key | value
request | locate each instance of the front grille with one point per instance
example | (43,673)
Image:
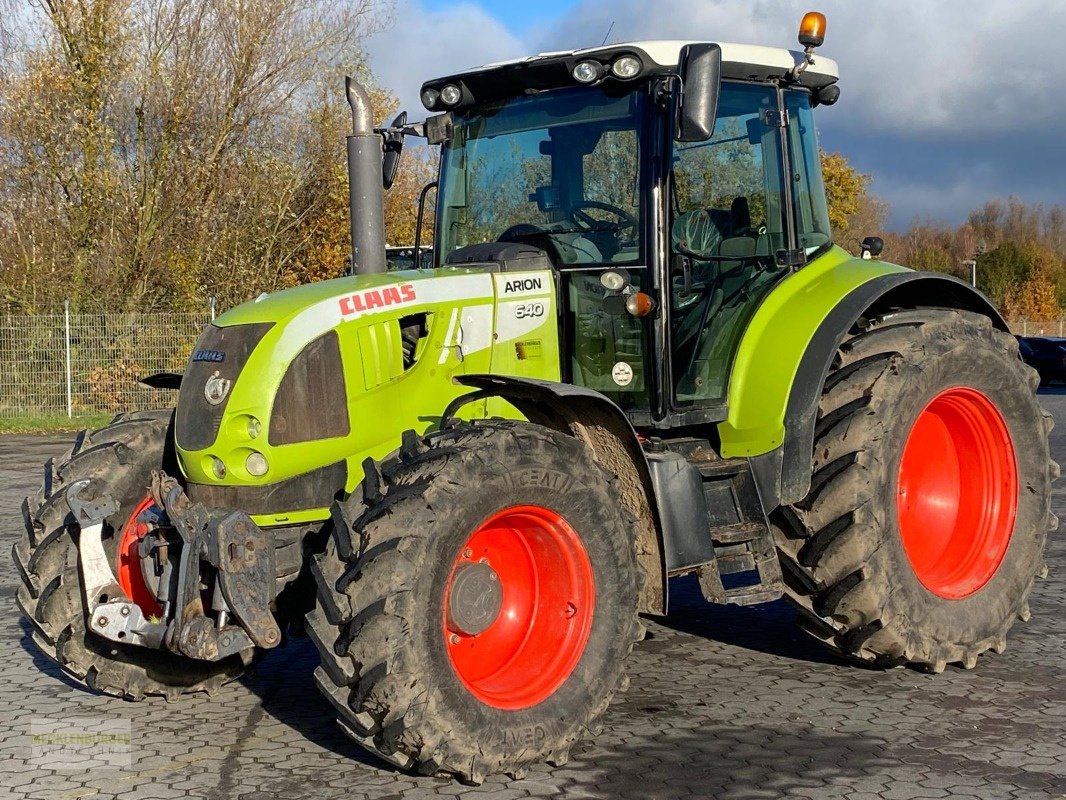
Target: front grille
(221,350)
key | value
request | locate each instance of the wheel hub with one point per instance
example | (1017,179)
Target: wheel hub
(136,575)
(475,599)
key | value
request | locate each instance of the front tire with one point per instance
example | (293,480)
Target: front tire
(925,524)
(427,663)
(119,459)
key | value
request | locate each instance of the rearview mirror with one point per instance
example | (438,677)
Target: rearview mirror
(700,67)
(390,162)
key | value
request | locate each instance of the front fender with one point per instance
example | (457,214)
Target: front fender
(603,427)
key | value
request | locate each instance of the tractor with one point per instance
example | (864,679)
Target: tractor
(636,354)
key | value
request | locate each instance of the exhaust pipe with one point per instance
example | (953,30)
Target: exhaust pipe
(366,211)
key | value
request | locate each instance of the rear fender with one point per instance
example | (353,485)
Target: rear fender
(782,461)
(600,424)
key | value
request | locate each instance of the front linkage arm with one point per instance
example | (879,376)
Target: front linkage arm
(111,614)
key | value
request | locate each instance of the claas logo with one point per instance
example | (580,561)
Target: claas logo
(377,298)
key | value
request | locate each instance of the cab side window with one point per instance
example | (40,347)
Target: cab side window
(727,222)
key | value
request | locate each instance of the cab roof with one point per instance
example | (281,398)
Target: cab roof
(659,56)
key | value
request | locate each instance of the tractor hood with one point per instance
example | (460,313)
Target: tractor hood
(282,305)
(300,380)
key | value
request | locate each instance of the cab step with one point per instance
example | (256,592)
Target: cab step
(714,522)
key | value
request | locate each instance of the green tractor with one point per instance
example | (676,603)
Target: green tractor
(638,355)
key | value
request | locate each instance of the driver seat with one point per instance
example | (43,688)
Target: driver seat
(701,230)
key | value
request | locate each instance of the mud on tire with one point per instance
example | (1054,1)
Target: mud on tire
(120,457)
(843,557)
(382,579)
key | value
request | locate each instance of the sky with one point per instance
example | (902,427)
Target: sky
(946,104)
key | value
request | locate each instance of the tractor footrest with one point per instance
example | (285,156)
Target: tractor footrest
(752,595)
(721,468)
(738,534)
(766,583)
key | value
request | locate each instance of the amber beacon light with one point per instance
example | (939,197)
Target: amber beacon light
(812,29)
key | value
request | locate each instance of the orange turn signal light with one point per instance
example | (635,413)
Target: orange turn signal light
(812,29)
(640,304)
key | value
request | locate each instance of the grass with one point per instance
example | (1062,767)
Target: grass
(52,423)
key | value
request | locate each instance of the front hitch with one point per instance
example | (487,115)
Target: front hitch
(221,549)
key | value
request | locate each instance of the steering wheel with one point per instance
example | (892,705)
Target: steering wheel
(588,222)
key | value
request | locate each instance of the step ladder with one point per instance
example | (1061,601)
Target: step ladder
(737,527)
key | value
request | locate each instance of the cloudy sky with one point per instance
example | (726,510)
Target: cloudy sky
(946,104)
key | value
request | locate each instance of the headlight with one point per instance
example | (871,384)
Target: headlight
(587,71)
(451,94)
(613,281)
(626,67)
(256,464)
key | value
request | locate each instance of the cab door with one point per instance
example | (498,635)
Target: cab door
(728,221)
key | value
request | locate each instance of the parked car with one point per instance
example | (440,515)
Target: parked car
(1045,354)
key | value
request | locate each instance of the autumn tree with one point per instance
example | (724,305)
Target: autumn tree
(156,152)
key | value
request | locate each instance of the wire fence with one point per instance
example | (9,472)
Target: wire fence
(75,364)
(1023,326)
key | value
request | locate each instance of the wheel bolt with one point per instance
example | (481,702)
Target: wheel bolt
(125,611)
(454,638)
(101,621)
(468,553)
(570,611)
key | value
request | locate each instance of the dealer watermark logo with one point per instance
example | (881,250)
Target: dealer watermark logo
(216,388)
(81,743)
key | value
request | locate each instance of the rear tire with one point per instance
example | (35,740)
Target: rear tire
(119,458)
(386,580)
(870,576)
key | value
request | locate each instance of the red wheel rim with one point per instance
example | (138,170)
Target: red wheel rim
(545,602)
(957,493)
(130,577)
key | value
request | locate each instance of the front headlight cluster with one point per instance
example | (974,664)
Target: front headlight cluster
(625,67)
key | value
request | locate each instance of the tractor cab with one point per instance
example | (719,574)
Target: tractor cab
(682,175)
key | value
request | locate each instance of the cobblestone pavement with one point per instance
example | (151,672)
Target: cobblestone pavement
(727,703)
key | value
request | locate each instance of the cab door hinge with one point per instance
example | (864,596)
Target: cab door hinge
(773,118)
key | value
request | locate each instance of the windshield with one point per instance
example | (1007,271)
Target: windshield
(559,170)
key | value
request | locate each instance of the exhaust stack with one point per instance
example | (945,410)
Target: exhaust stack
(365,192)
